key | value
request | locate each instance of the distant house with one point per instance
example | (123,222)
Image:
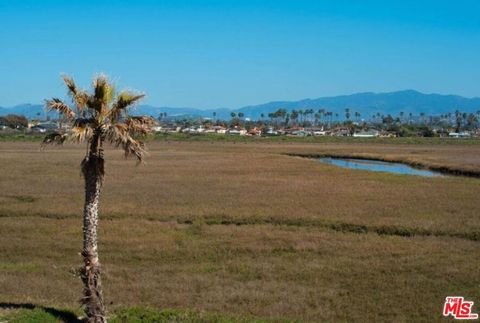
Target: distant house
(463,134)
(388,134)
(219,129)
(367,133)
(237,131)
(271,132)
(299,133)
(340,132)
(44,127)
(318,131)
(321,133)
(255,132)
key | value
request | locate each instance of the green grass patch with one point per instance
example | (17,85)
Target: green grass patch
(22,137)
(18,267)
(314,139)
(146,315)
(28,313)
(31,316)
(339,226)
(211,137)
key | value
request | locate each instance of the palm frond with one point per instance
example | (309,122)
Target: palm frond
(59,106)
(104,91)
(124,100)
(79,97)
(82,129)
(72,88)
(100,84)
(54,138)
(139,125)
(103,95)
(134,147)
(144,120)
(119,134)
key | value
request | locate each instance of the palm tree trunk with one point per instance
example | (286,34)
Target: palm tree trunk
(92,167)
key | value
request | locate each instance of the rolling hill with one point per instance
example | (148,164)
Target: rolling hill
(368,103)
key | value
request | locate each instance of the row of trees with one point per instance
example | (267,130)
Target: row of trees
(458,120)
(322,117)
(282,118)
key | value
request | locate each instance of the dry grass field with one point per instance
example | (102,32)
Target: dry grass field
(245,230)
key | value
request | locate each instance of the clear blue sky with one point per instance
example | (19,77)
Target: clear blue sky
(233,53)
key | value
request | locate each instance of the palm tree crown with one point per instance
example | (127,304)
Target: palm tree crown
(101,116)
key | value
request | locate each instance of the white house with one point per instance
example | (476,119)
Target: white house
(367,134)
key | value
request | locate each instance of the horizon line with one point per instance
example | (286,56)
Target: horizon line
(278,101)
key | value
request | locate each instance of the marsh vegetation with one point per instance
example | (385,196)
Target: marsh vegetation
(245,230)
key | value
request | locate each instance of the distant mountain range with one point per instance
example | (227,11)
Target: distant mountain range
(368,103)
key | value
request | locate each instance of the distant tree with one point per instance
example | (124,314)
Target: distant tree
(233,114)
(471,122)
(422,117)
(458,120)
(388,120)
(347,113)
(309,113)
(96,118)
(287,119)
(283,115)
(302,116)
(357,116)
(294,116)
(14,121)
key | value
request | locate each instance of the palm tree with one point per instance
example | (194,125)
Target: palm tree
(347,113)
(422,116)
(294,116)
(96,118)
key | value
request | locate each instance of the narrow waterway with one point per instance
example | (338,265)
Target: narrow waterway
(378,166)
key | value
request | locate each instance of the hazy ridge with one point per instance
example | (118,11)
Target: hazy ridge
(367,103)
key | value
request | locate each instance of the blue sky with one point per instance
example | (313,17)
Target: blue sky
(211,54)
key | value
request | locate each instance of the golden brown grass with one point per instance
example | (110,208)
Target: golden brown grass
(166,237)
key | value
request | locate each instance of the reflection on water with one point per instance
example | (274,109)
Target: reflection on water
(377,166)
